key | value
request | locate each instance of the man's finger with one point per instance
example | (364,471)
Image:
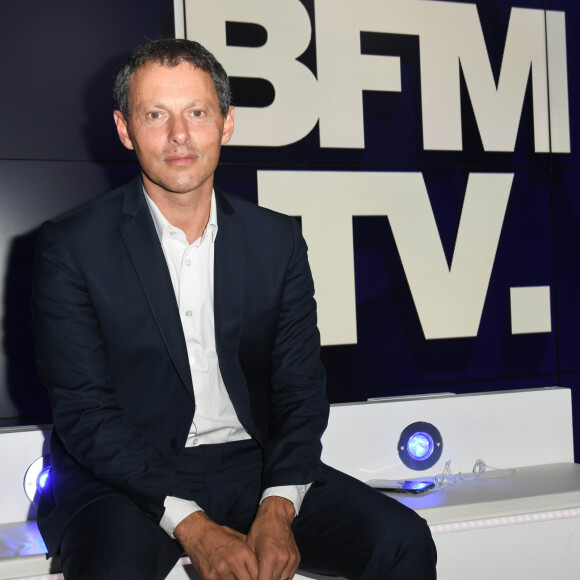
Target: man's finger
(252,568)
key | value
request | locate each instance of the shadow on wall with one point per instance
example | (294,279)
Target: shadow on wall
(57,188)
(25,389)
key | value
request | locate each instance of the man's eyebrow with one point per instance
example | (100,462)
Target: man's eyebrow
(196,103)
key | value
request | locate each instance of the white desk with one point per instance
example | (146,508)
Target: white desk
(523,525)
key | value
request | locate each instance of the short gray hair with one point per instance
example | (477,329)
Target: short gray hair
(172,52)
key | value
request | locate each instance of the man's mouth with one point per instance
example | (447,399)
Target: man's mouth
(181,159)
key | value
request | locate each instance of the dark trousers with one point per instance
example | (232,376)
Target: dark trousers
(344,527)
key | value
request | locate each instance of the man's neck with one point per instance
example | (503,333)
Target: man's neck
(187,211)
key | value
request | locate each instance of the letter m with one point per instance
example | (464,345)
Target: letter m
(535,46)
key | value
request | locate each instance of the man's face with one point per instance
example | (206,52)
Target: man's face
(175,127)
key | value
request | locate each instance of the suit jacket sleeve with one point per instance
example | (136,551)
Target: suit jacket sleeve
(299,409)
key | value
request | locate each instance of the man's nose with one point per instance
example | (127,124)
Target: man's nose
(178,131)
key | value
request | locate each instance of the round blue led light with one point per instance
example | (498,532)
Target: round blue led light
(43,478)
(420,446)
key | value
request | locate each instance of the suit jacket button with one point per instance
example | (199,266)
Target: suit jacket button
(174,444)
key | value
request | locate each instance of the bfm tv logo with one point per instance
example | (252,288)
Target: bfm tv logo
(449,300)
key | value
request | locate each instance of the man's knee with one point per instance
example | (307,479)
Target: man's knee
(404,549)
(414,532)
(348,528)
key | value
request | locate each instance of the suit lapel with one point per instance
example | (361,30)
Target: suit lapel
(228,305)
(140,237)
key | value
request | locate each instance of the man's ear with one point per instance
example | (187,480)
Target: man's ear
(122,129)
(228,126)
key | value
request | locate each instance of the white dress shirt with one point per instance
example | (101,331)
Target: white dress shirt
(191,267)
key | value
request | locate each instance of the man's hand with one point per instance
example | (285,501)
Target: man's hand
(217,552)
(272,539)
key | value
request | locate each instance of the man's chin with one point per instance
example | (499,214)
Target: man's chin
(177,186)
(182,188)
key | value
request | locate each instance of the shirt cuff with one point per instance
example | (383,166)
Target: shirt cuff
(294,493)
(176,510)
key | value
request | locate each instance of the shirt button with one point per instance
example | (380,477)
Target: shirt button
(188,262)
(195,442)
(188,313)
(173,233)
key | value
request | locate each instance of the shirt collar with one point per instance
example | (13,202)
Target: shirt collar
(161,222)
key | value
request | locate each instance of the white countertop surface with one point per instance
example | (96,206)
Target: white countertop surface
(502,493)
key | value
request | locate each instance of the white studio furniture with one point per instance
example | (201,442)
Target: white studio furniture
(519,518)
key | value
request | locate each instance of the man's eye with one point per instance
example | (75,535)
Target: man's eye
(154,115)
(197,114)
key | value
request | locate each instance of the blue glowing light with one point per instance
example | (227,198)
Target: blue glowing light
(43,478)
(420,446)
(417,485)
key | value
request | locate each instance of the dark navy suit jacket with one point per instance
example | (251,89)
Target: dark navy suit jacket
(111,351)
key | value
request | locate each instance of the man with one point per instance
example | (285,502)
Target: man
(176,333)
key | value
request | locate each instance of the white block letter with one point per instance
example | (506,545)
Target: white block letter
(343,72)
(294,111)
(558,82)
(449,300)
